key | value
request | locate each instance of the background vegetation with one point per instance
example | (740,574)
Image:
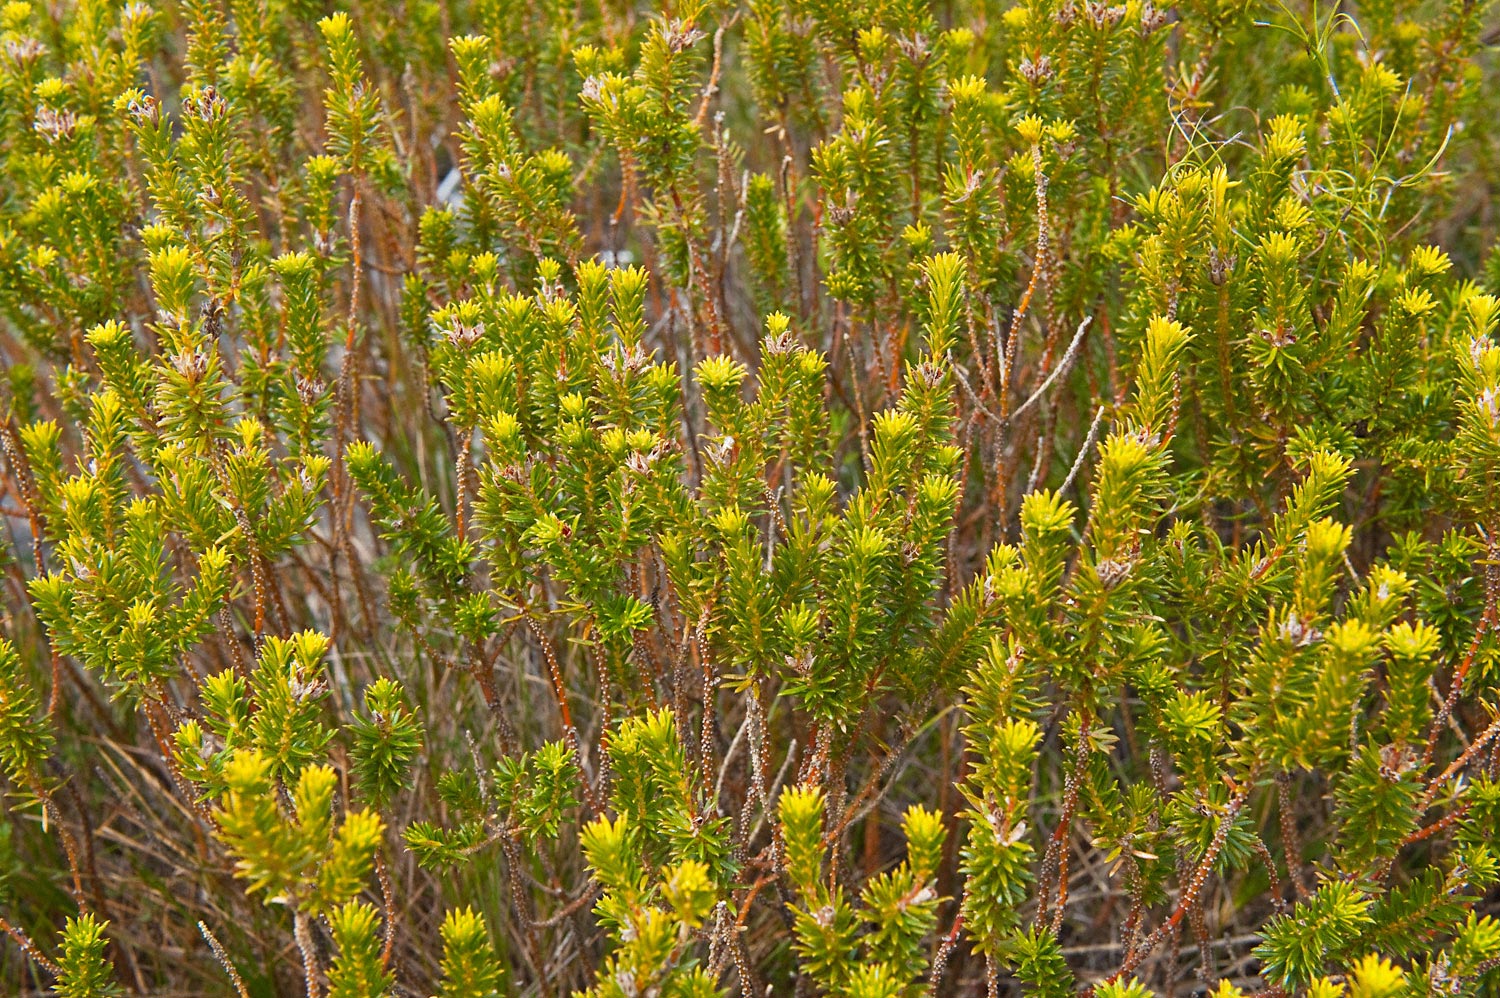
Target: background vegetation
(856,497)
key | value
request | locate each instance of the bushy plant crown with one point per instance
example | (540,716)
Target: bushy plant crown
(864,498)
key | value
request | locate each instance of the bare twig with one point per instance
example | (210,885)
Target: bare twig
(222,955)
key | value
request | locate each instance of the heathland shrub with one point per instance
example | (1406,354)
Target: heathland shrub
(866,498)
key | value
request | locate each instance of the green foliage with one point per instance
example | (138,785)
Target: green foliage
(385,744)
(470,967)
(357,970)
(301,858)
(865,498)
(900,907)
(24,742)
(82,970)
